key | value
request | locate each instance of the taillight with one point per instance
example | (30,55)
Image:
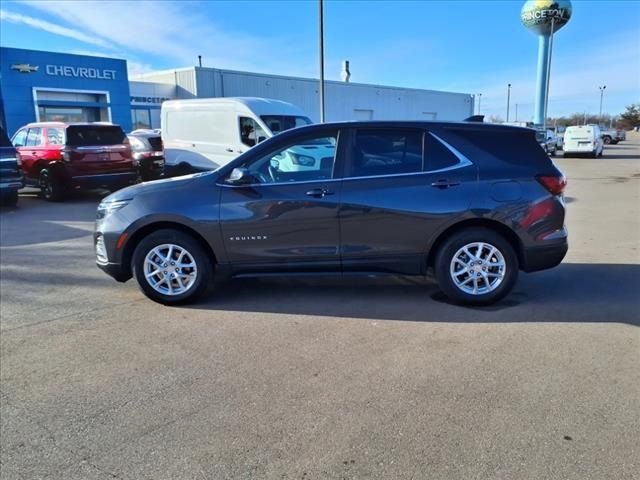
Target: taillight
(18,160)
(555,185)
(66,155)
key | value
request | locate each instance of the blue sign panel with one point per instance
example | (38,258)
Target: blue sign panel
(35,83)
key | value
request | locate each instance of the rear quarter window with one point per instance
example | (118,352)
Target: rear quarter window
(512,146)
(90,135)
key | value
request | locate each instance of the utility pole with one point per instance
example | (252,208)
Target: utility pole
(508,99)
(479,102)
(321,19)
(601,95)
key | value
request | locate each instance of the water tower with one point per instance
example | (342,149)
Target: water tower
(544,18)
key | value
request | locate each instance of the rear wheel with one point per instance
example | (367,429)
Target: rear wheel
(606,140)
(476,266)
(51,187)
(171,267)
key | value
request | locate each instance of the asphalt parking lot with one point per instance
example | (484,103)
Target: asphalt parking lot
(330,378)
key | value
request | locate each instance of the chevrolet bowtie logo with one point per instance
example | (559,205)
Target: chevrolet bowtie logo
(24,68)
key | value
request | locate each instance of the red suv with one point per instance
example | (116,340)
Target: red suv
(58,157)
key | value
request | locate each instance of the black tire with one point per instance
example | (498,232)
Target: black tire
(453,244)
(606,139)
(51,188)
(9,199)
(203,263)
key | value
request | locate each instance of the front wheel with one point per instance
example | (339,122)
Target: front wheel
(476,266)
(171,267)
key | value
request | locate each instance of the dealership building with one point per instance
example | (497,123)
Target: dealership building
(47,86)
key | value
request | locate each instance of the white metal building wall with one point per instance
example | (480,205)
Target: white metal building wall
(343,101)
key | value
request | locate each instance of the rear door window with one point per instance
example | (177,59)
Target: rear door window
(34,137)
(92,135)
(394,151)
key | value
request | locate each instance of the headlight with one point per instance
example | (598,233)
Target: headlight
(107,208)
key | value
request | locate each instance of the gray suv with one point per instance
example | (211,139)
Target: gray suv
(473,203)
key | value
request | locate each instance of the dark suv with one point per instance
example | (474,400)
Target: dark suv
(11,179)
(59,157)
(473,202)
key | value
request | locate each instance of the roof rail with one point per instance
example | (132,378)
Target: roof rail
(475,118)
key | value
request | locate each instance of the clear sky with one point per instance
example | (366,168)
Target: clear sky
(464,46)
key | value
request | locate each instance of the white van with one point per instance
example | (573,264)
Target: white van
(204,134)
(583,139)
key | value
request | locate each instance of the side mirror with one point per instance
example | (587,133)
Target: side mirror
(240,176)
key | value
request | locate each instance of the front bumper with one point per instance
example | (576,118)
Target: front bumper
(114,270)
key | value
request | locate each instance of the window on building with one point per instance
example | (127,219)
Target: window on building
(34,137)
(140,118)
(386,152)
(250,132)
(72,114)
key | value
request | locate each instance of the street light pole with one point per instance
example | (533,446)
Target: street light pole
(479,102)
(601,95)
(508,99)
(321,90)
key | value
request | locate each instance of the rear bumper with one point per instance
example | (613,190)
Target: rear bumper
(104,180)
(545,256)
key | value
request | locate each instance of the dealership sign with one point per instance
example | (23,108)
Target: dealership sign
(80,72)
(148,100)
(542,16)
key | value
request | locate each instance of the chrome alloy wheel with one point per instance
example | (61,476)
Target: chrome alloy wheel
(170,269)
(478,268)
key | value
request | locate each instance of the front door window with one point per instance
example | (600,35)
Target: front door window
(309,159)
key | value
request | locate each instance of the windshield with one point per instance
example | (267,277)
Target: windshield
(540,136)
(280,123)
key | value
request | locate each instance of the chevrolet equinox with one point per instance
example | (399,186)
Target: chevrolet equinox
(474,203)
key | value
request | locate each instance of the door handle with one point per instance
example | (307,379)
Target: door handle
(443,183)
(34,153)
(229,149)
(319,192)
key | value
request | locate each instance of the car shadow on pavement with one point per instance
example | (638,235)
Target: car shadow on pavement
(572,292)
(35,220)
